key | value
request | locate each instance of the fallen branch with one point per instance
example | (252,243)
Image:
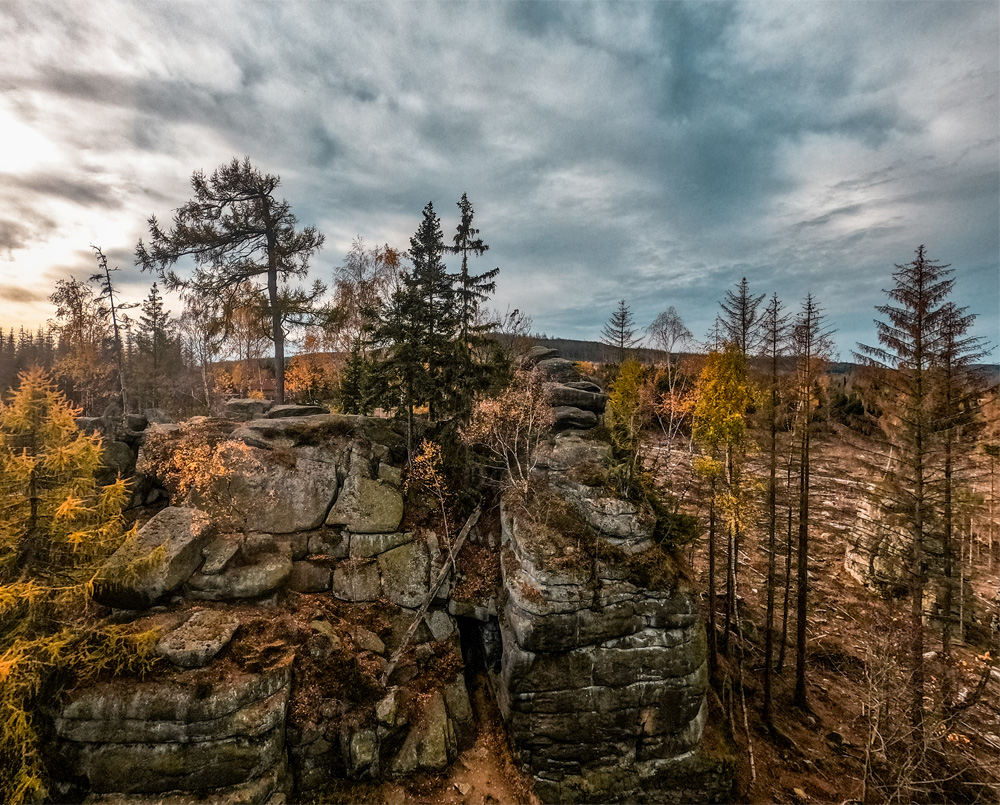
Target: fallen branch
(453,550)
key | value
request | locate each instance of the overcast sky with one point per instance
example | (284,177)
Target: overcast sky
(654,152)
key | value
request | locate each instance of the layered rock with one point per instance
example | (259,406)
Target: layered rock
(603,669)
(221,739)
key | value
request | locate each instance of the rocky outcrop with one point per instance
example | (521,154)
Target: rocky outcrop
(219,739)
(603,668)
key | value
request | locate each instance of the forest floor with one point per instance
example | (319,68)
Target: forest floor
(819,755)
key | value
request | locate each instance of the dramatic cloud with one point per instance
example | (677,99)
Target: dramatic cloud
(655,152)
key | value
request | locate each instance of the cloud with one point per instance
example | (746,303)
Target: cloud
(658,155)
(19,294)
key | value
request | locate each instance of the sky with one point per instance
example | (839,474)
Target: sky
(651,152)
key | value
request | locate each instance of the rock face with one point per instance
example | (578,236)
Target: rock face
(159,559)
(217,738)
(603,669)
(603,676)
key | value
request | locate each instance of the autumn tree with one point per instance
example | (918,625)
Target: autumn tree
(362,284)
(509,426)
(723,394)
(619,332)
(56,526)
(237,231)
(667,333)
(83,359)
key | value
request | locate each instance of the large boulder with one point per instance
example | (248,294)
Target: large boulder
(265,574)
(284,411)
(277,493)
(367,506)
(603,673)
(161,556)
(406,574)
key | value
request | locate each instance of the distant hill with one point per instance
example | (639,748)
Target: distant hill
(596,352)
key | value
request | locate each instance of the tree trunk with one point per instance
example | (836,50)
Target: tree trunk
(713,655)
(277,332)
(772,523)
(802,581)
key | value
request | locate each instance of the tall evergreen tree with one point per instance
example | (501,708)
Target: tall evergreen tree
(474,354)
(619,332)
(909,339)
(153,341)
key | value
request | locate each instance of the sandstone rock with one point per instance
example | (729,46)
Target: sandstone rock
(264,576)
(367,506)
(562,395)
(558,370)
(262,789)
(456,699)
(365,546)
(157,416)
(154,563)
(283,411)
(135,422)
(117,459)
(356,581)
(275,496)
(307,577)
(430,743)
(539,353)
(570,450)
(360,748)
(196,641)
(218,553)
(440,623)
(243,409)
(568,417)
(330,543)
(389,711)
(585,385)
(196,707)
(406,574)
(391,475)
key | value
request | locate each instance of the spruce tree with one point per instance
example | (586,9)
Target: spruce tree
(909,350)
(740,324)
(619,332)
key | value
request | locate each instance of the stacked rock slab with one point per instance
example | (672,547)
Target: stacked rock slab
(221,740)
(603,676)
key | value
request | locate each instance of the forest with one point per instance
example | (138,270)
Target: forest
(839,521)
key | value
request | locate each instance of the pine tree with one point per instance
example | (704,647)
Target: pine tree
(904,363)
(153,340)
(740,324)
(237,231)
(474,362)
(619,332)
(472,289)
